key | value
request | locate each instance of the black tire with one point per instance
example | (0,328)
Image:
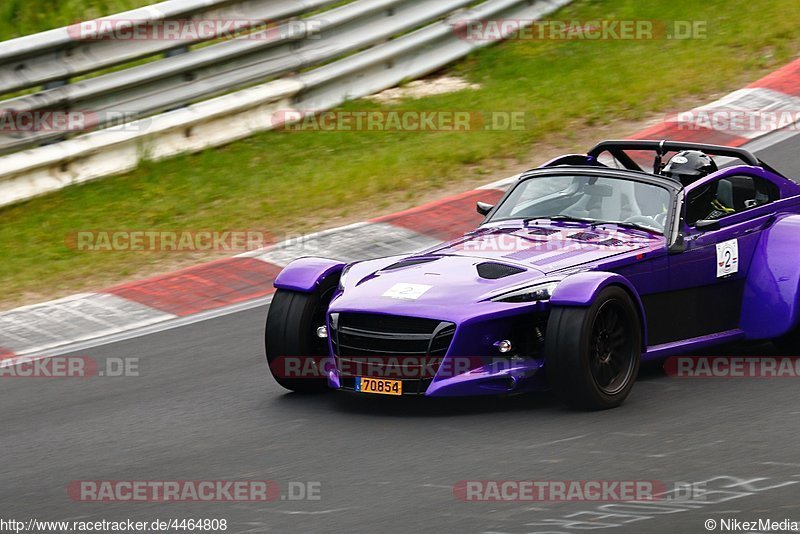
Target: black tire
(789,344)
(592,354)
(292,321)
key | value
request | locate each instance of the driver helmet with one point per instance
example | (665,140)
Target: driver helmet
(688,166)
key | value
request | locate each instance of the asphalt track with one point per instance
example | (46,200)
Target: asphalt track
(204,407)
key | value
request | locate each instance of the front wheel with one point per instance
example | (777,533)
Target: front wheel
(592,354)
(295,353)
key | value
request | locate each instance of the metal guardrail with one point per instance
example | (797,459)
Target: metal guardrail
(233,116)
(57,54)
(411,56)
(216,69)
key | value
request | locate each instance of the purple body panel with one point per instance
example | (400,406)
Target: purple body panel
(581,289)
(770,296)
(492,380)
(582,259)
(305,274)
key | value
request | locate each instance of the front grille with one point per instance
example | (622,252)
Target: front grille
(389,346)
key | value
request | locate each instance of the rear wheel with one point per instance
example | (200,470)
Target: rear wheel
(295,353)
(592,354)
(789,344)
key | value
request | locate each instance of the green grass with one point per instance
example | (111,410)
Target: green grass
(296,181)
(23,17)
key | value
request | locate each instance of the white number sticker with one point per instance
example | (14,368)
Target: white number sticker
(406,291)
(727,258)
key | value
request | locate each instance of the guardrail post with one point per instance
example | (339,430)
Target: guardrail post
(55,83)
(172,53)
(176,51)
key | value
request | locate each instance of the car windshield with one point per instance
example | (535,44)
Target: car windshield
(598,199)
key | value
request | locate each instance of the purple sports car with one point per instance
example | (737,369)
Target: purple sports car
(587,266)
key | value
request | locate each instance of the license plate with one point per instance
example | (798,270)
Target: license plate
(381,386)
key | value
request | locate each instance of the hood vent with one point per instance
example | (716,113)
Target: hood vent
(542,231)
(408,263)
(584,236)
(611,242)
(494,271)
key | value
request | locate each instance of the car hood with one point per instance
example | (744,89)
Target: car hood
(549,248)
(482,264)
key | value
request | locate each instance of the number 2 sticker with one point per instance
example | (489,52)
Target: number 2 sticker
(406,291)
(727,258)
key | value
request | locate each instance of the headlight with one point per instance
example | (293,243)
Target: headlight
(532,293)
(343,276)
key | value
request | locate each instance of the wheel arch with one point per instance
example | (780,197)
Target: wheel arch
(582,289)
(306,274)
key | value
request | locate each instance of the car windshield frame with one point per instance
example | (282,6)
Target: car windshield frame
(671,229)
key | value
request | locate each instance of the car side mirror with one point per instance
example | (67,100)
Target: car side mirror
(707,225)
(679,245)
(484,208)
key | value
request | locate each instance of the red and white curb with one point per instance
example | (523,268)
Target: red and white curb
(775,93)
(244,281)
(225,285)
